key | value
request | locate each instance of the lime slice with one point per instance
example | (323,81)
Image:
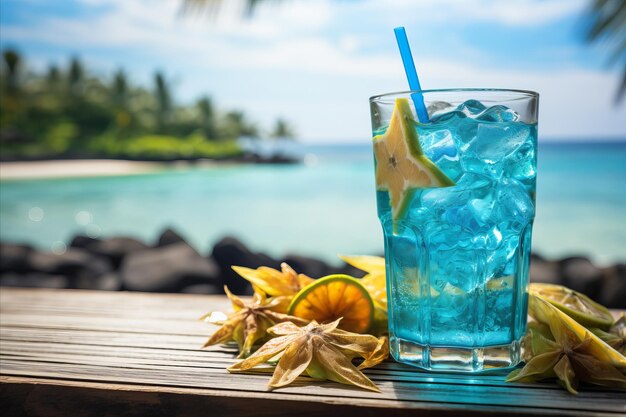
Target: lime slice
(576,305)
(332,297)
(401,166)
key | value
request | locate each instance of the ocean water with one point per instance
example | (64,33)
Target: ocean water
(323,207)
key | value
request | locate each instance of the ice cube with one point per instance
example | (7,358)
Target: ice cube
(443,236)
(451,166)
(437,143)
(493,142)
(502,260)
(493,238)
(477,182)
(471,107)
(447,117)
(437,199)
(464,217)
(450,306)
(482,208)
(486,152)
(515,204)
(498,113)
(438,108)
(521,163)
(458,268)
(440,148)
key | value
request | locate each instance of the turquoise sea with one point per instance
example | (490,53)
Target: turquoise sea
(322,207)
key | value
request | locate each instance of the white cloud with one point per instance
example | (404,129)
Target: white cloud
(294,44)
(512,13)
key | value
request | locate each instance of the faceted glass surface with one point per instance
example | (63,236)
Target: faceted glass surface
(457,262)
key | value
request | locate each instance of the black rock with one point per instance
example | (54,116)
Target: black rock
(14,258)
(167,269)
(312,267)
(168,237)
(82,242)
(110,281)
(613,292)
(202,289)
(33,280)
(578,273)
(542,270)
(349,270)
(230,251)
(81,268)
(114,249)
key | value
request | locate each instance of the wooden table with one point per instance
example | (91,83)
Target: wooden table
(82,353)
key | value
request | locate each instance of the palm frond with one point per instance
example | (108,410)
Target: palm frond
(214,7)
(607,26)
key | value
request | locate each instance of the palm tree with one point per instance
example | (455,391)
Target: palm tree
(207,117)
(75,75)
(163,101)
(119,89)
(608,26)
(237,125)
(12,62)
(282,130)
(53,77)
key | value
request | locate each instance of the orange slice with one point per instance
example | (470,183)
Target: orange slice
(335,296)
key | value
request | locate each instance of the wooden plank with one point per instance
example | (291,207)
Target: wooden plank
(132,348)
(50,397)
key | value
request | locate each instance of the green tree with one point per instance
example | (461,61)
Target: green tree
(119,89)
(163,102)
(282,130)
(53,77)
(12,62)
(75,76)
(237,125)
(608,27)
(207,117)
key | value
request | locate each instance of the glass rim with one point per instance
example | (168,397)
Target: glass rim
(520,93)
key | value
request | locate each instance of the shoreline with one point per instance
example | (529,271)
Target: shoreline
(89,168)
(79,168)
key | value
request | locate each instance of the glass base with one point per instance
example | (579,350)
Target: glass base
(456,359)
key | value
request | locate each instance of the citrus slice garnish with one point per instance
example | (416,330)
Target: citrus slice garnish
(335,296)
(576,305)
(401,166)
(501,283)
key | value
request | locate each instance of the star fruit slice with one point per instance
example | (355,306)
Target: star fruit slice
(542,310)
(401,166)
(576,305)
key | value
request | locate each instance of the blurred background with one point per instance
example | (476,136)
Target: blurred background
(148,145)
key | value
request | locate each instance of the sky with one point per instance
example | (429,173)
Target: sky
(316,63)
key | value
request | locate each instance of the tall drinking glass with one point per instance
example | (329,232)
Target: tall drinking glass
(457,249)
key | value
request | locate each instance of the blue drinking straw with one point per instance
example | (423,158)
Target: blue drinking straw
(411,73)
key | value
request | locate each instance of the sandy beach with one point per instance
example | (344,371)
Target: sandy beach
(75,168)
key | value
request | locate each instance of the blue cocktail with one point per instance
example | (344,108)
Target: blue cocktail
(457,207)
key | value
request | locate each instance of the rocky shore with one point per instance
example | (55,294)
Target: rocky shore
(172,265)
